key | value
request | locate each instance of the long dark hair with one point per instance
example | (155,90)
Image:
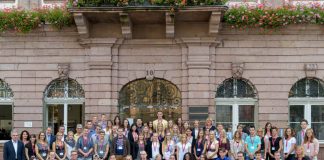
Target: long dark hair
(21,135)
(190,155)
(120,121)
(265,128)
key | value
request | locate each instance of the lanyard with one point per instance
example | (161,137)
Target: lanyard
(101,146)
(183,148)
(252,141)
(85,141)
(273,141)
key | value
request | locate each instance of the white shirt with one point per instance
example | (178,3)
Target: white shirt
(196,132)
(15,145)
(155,149)
(288,144)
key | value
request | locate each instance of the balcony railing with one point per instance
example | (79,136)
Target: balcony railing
(146,3)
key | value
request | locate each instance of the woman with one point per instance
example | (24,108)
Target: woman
(188,156)
(158,157)
(59,147)
(184,127)
(224,142)
(140,145)
(70,144)
(240,130)
(168,146)
(126,127)
(275,143)
(170,126)
(300,154)
(150,125)
(209,125)
(117,121)
(109,127)
(207,135)
(160,132)
(179,122)
(267,135)
(237,145)
(42,147)
(200,146)
(24,137)
(289,144)
(183,147)
(51,156)
(212,146)
(133,138)
(260,134)
(30,151)
(311,145)
(175,134)
(146,133)
(101,148)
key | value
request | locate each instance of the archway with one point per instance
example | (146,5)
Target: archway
(6,108)
(143,98)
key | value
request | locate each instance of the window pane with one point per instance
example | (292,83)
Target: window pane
(223,114)
(246,113)
(318,120)
(296,114)
(5,121)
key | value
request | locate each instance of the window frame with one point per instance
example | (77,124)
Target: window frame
(8,4)
(307,102)
(8,101)
(235,103)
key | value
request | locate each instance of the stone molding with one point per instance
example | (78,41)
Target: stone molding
(126,25)
(310,69)
(63,70)
(215,23)
(237,69)
(82,24)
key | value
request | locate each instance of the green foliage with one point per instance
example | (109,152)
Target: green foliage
(24,21)
(273,18)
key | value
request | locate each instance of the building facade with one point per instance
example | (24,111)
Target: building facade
(191,66)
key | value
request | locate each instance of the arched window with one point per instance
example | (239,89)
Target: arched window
(306,101)
(64,101)
(6,106)
(143,98)
(235,103)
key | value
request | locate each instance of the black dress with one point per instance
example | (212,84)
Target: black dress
(30,150)
(274,145)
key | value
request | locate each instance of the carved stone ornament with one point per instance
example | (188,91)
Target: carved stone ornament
(237,70)
(310,69)
(63,70)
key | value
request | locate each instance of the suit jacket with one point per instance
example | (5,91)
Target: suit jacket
(9,151)
(148,149)
(164,122)
(52,140)
(299,137)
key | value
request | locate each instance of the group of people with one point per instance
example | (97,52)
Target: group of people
(161,139)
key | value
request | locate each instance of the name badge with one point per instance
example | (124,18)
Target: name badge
(61,154)
(101,152)
(252,147)
(85,148)
(198,149)
(308,151)
(44,155)
(120,147)
(273,148)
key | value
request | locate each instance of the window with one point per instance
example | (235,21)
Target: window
(64,101)
(306,101)
(6,101)
(235,103)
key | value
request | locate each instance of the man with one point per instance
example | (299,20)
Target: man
(120,146)
(258,155)
(78,132)
(62,131)
(252,143)
(222,154)
(74,155)
(240,155)
(50,137)
(277,155)
(301,134)
(94,122)
(103,122)
(143,155)
(90,128)
(160,120)
(14,149)
(195,130)
(139,125)
(220,129)
(85,146)
(95,137)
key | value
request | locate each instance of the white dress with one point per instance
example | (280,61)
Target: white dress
(183,149)
(169,150)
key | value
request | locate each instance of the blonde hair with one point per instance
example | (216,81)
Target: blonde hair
(224,138)
(306,137)
(302,151)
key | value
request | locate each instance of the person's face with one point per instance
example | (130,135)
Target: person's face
(94,119)
(42,136)
(239,129)
(143,155)
(62,129)
(25,135)
(109,124)
(277,156)
(33,139)
(168,135)
(139,122)
(160,115)
(85,132)
(303,125)
(120,133)
(240,156)
(79,130)
(260,133)
(52,155)
(184,138)
(252,131)
(117,120)
(102,135)
(175,129)
(220,128)
(209,122)
(187,157)
(288,132)
(211,135)
(14,136)
(155,137)
(309,133)
(89,125)
(133,128)
(145,129)
(59,136)
(299,151)
(274,132)
(196,124)
(158,158)
(188,132)
(237,135)
(114,129)
(150,124)
(170,124)
(179,121)
(128,158)
(125,123)
(269,126)
(258,156)
(186,125)
(201,133)
(103,117)
(70,135)
(141,137)
(172,157)
(74,156)
(222,154)
(49,130)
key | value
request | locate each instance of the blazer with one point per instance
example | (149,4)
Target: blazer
(299,138)
(53,139)
(148,149)
(9,151)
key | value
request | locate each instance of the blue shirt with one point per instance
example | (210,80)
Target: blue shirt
(252,143)
(84,145)
(225,158)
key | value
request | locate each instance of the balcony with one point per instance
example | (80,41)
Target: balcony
(147,19)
